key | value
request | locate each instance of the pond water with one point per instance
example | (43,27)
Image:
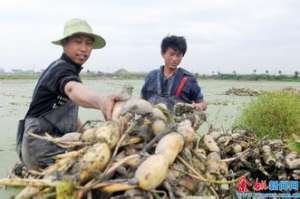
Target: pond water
(15,96)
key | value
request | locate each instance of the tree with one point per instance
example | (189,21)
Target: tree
(254,71)
(296,74)
(279,72)
(267,72)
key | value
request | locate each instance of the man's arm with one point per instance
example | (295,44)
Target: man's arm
(84,97)
(144,94)
(197,96)
(150,79)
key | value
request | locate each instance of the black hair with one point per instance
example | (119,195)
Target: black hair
(177,43)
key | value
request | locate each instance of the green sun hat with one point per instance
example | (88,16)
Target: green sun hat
(80,26)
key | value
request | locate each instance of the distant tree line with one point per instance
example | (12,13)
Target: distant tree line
(253,76)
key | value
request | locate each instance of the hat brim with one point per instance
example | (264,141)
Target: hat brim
(99,42)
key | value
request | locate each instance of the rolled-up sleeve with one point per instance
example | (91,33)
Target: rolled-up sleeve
(61,76)
(64,80)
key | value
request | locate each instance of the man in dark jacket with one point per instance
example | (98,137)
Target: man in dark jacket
(57,95)
(170,84)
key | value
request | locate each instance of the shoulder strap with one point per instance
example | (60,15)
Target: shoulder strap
(180,86)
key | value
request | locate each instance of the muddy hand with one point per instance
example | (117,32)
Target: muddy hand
(109,103)
(200,106)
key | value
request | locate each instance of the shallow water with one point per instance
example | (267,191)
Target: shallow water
(15,96)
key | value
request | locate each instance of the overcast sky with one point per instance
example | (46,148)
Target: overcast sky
(222,35)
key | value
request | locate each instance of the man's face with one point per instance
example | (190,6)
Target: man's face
(78,48)
(172,58)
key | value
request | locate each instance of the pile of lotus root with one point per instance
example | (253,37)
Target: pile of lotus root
(148,152)
(243,92)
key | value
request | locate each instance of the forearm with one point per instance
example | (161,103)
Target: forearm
(84,97)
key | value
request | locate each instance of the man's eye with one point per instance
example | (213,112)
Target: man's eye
(89,43)
(78,40)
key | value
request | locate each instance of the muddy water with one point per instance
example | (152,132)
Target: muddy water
(15,96)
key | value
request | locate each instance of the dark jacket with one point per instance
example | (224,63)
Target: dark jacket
(152,88)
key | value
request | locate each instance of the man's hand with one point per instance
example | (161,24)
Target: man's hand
(200,106)
(108,105)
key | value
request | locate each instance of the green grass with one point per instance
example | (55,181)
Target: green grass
(272,115)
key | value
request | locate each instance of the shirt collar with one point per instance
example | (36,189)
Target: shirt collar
(65,57)
(163,75)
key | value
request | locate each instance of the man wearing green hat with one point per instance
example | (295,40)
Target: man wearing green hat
(57,95)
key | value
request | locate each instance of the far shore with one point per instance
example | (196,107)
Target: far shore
(238,77)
